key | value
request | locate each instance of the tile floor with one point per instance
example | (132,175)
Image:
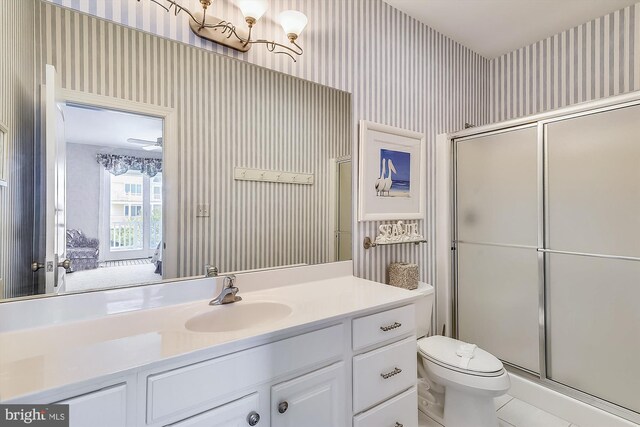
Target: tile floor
(514,413)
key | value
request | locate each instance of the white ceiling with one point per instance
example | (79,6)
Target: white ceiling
(108,128)
(494,27)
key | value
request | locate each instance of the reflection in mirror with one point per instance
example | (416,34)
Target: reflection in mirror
(132,159)
(114,234)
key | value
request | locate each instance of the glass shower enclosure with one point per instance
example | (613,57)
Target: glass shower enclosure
(546,258)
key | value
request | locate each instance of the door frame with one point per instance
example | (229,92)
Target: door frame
(169,164)
(334,207)
(53,281)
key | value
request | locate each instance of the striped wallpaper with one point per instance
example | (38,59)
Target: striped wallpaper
(594,60)
(399,71)
(229,113)
(17,114)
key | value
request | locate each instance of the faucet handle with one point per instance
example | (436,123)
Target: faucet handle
(210,271)
(229,281)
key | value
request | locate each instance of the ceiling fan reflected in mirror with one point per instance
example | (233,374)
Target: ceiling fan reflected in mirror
(147,144)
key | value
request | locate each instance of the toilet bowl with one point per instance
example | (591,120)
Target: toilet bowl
(459,382)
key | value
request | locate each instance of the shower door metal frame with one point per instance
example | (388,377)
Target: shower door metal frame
(540,121)
(454,210)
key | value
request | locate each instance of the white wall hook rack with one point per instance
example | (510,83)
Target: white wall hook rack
(246,174)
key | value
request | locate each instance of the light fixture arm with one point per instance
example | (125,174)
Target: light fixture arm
(204,18)
(173,4)
(250,24)
(230,30)
(272,46)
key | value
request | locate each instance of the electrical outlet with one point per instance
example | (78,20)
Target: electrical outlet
(203,210)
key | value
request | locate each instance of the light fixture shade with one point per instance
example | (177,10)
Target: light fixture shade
(253,8)
(293,22)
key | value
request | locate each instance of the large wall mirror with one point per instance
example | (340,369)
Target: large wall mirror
(130,159)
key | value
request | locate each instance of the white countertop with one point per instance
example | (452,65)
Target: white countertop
(46,358)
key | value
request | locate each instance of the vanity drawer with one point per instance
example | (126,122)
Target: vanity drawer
(185,391)
(402,410)
(382,373)
(380,327)
(103,408)
(234,413)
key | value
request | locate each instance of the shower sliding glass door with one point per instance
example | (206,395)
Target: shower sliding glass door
(592,254)
(547,251)
(497,228)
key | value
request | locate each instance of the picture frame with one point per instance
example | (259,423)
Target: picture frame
(391,173)
(4,148)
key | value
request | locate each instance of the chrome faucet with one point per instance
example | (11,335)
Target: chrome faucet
(229,291)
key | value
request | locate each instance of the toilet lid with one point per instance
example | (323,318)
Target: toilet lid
(459,356)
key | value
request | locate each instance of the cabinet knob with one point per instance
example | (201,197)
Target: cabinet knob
(399,425)
(282,407)
(253,418)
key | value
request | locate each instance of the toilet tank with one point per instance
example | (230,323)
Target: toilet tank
(424,307)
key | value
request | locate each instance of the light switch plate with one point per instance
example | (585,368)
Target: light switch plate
(202,210)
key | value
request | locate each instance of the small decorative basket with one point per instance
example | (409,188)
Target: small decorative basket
(403,275)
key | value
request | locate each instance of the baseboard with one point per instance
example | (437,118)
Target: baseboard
(563,406)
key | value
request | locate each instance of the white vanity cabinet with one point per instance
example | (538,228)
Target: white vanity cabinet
(101,408)
(384,372)
(313,400)
(385,369)
(361,372)
(239,413)
(353,370)
(177,394)
(399,411)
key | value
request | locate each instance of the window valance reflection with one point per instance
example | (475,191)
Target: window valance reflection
(117,164)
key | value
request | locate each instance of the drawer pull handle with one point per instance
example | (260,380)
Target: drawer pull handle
(254,418)
(395,325)
(396,371)
(282,407)
(398,424)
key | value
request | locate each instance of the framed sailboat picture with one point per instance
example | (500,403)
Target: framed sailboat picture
(392,175)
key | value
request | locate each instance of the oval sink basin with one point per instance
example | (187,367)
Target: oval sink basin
(237,315)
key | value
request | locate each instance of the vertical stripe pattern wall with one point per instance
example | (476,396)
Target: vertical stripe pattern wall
(17,115)
(594,60)
(229,113)
(399,71)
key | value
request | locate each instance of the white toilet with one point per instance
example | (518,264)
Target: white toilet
(457,381)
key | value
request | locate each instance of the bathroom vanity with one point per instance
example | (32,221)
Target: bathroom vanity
(336,351)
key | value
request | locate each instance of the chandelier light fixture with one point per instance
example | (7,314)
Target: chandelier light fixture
(225,33)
